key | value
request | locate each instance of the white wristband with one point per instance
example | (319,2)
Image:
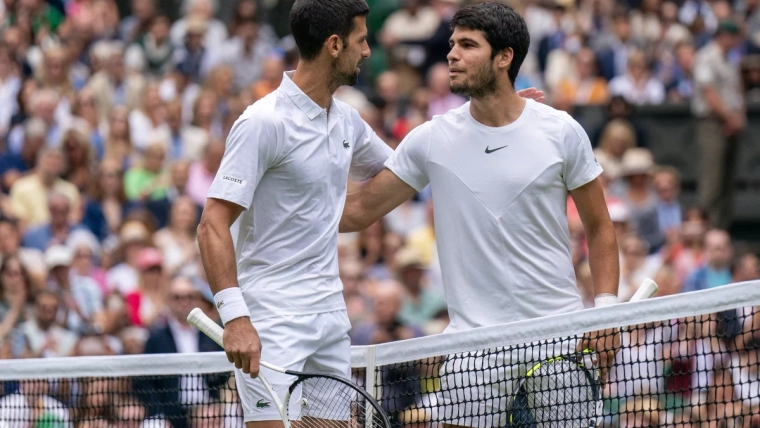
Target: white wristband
(605,299)
(230,304)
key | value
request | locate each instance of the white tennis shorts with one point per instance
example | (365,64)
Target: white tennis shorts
(317,343)
(476,386)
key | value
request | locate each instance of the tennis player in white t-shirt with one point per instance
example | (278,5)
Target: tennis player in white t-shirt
(500,170)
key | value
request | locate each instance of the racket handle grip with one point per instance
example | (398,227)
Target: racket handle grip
(647,289)
(206,325)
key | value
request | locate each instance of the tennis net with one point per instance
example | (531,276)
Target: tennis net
(691,360)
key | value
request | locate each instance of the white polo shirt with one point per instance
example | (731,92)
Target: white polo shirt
(287,163)
(500,208)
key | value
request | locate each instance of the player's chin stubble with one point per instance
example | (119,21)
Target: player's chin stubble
(481,85)
(340,78)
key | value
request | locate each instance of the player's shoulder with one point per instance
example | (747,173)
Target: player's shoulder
(454,117)
(551,118)
(267,114)
(268,109)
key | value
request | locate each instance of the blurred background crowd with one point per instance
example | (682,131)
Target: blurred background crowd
(114,113)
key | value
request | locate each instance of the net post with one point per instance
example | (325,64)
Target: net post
(369,381)
(369,375)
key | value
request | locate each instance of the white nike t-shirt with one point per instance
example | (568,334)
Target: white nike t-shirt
(287,163)
(500,210)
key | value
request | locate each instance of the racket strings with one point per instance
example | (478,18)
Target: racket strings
(559,393)
(328,403)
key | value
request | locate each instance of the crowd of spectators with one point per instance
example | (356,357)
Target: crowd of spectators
(114,113)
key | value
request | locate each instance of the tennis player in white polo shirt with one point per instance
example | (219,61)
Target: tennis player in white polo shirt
(268,234)
(269,231)
(500,170)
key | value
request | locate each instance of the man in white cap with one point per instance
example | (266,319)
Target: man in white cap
(80,295)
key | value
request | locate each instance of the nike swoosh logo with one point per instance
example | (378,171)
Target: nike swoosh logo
(491,151)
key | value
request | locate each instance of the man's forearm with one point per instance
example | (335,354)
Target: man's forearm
(604,261)
(352,219)
(218,256)
(716,104)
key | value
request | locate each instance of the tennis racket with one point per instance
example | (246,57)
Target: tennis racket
(326,401)
(563,391)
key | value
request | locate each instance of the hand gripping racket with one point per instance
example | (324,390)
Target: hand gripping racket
(326,401)
(563,391)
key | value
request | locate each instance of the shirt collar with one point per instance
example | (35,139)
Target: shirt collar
(299,98)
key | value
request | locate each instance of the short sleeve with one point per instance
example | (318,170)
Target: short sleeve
(581,167)
(704,73)
(370,152)
(251,149)
(409,160)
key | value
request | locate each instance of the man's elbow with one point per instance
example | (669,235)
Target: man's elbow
(204,230)
(351,224)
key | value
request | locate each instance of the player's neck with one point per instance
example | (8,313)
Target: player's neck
(499,109)
(311,78)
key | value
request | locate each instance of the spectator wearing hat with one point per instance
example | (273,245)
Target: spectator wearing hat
(718,103)
(124,276)
(637,192)
(58,229)
(80,295)
(419,304)
(192,55)
(146,303)
(87,256)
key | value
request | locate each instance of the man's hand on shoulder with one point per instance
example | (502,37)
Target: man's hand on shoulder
(242,345)
(532,94)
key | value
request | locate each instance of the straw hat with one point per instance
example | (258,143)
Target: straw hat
(407,257)
(636,161)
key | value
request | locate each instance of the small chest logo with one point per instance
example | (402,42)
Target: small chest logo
(345,144)
(261,404)
(233,179)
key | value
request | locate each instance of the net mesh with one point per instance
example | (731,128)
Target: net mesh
(692,360)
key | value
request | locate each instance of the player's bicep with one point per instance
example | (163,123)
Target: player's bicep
(591,205)
(220,212)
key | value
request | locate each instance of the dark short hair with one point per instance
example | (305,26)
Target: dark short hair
(314,21)
(502,27)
